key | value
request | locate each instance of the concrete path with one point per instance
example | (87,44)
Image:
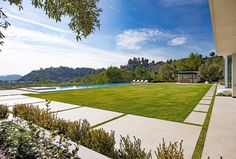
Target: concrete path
(12,92)
(56,106)
(221,135)
(28,100)
(198,115)
(10,97)
(202,108)
(196,118)
(92,115)
(152,131)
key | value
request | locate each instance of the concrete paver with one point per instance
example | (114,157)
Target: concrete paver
(10,97)
(28,100)
(92,115)
(56,106)
(202,107)
(207,98)
(221,135)
(152,131)
(203,101)
(12,92)
(196,118)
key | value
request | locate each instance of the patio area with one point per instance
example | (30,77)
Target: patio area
(151,131)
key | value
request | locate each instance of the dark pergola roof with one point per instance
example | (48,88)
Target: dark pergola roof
(187,72)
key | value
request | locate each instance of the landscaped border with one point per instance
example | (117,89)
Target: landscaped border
(197,154)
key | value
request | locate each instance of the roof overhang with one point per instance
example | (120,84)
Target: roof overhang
(223,15)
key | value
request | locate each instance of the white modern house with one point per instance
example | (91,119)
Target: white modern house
(223,15)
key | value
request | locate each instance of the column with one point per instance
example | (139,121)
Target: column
(226,71)
(234,75)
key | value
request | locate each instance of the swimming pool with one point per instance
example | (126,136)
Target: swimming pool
(75,87)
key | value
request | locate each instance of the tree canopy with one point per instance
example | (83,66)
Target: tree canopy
(83,14)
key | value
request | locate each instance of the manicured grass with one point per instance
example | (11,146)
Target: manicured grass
(164,101)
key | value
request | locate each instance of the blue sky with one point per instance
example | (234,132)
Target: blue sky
(154,29)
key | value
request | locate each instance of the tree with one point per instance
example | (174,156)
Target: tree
(167,73)
(212,54)
(193,62)
(210,72)
(83,14)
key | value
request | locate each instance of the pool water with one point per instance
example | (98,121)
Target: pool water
(75,87)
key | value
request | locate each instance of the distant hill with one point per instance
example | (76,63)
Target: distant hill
(57,74)
(13,77)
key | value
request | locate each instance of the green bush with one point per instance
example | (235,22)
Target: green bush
(132,150)
(101,141)
(3,112)
(29,141)
(171,151)
(78,131)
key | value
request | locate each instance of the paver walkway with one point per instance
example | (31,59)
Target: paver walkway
(221,135)
(198,115)
(12,92)
(92,115)
(28,100)
(56,106)
(150,131)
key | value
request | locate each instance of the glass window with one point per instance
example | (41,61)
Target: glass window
(229,71)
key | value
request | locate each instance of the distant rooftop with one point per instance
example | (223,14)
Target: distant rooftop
(187,72)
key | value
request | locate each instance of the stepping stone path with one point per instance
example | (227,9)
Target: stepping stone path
(206,102)
(196,118)
(152,131)
(28,100)
(92,115)
(56,106)
(3,98)
(12,92)
(202,108)
(198,115)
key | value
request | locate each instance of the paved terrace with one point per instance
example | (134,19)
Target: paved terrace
(221,135)
(151,131)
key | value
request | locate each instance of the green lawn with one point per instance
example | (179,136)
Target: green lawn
(164,101)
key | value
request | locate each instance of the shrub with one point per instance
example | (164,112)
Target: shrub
(131,150)
(3,112)
(101,141)
(172,151)
(29,141)
(78,131)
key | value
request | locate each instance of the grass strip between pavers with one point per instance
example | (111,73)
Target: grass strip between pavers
(197,154)
(107,121)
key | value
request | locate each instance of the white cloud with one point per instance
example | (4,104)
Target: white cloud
(36,23)
(26,50)
(177,41)
(133,39)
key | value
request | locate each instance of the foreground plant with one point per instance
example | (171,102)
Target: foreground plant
(132,149)
(3,112)
(25,140)
(172,151)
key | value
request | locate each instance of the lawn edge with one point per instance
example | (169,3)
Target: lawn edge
(197,154)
